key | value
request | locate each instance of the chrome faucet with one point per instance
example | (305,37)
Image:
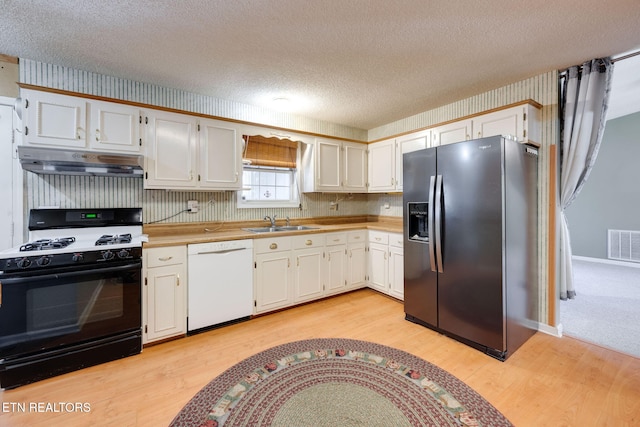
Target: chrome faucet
(271,219)
(288,221)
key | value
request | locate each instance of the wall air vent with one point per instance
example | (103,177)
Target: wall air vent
(624,245)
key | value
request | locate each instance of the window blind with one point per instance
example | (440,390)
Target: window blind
(275,152)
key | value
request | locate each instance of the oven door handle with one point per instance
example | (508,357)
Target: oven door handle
(70,272)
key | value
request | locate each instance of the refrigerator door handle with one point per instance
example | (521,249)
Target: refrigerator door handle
(438,222)
(430,219)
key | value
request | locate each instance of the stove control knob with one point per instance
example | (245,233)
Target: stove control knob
(44,261)
(77,257)
(23,263)
(107,255)
(123,253)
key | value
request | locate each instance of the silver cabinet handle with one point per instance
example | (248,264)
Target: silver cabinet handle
(178,281)
(309,242)
(165,258)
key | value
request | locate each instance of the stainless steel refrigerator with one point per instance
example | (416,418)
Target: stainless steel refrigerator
(470,234)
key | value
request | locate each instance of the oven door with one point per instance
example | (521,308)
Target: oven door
(68,305)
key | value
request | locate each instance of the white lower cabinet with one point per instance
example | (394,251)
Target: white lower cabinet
(308,255)
(378,260)
(336,263)
(356,259)
(296,269)
(164,299)
(396,266)
(386,263)
(273,278)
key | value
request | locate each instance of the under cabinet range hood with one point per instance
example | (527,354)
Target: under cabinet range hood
(76,162)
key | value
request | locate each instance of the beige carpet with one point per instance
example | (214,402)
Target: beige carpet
(606,309)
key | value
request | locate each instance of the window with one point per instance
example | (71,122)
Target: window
(269,173)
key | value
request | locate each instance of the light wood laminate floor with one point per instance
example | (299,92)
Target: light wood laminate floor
(547,382)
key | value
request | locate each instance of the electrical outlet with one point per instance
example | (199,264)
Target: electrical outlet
(192,206)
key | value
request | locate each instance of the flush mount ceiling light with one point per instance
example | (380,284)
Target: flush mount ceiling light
(281,103)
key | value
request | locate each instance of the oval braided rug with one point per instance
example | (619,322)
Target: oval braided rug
(336,382)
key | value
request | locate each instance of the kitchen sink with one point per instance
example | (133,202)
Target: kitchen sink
(296,227)
(275,229)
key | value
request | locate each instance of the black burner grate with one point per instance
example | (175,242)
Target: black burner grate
(43,244)
(109,239)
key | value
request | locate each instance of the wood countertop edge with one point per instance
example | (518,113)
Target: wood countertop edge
(225,234)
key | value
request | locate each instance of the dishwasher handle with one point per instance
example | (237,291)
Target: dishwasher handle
(220,251)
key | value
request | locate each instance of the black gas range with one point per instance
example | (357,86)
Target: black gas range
(71,296)
(68,237)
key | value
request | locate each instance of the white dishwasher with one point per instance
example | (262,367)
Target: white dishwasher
(220,283)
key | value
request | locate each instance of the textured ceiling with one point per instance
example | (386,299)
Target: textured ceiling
(360,63)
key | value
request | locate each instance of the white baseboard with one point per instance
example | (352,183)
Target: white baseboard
(606,261)
(551,330)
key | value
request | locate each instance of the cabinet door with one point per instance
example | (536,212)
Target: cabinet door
(407,144)
(114,127)
(452,132)
(378,266)
(396,272)
(309,269)
(336,270)
(354,173)
(55,120)
(165,302)
(356,265)
(220,155)
(382,166)
(507,122)
(328,161)
(170,160)
(273,281)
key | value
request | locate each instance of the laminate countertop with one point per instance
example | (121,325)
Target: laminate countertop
(189,233)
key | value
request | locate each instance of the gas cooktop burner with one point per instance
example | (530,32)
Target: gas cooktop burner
(44,244)
(109,239)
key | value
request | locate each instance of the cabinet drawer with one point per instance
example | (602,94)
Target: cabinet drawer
(271,244)
(307,241)
(335,239)
(396,239)
(171,255)
(359,236)
(378,237)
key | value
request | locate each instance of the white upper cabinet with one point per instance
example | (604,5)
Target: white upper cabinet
(382,176)
(66,121)
(385,160)
(54,120)
(452,132)
(220,155)
(328,165)
(520,123)
(114,127)
(170,162)
(185,152)
(334,166)
(406,144)
(354,166)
